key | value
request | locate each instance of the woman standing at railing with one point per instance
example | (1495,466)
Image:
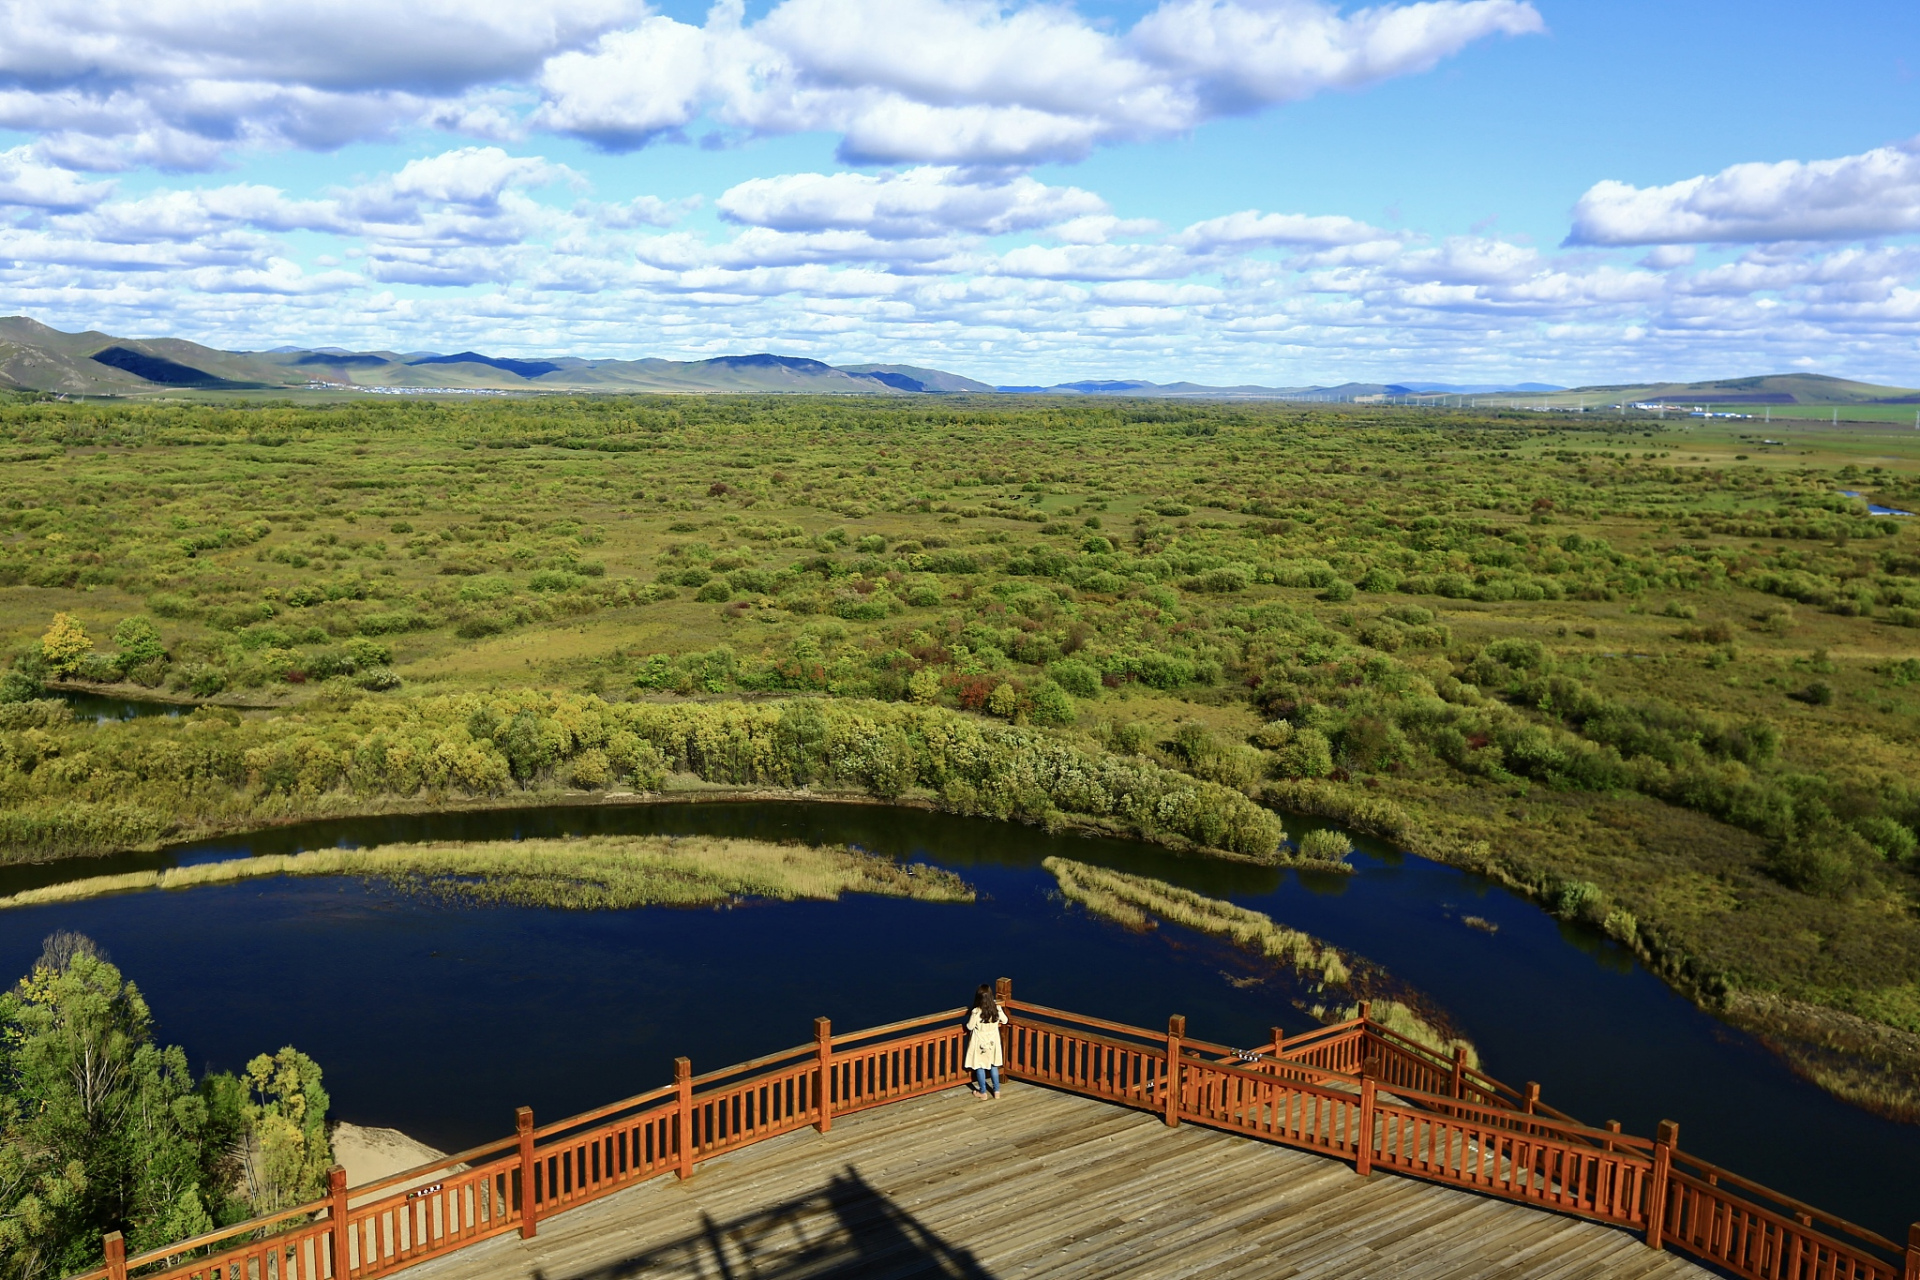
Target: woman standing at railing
(983,1041)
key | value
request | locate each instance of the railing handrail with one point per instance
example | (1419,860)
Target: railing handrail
(1365,1095)
(637,1102)
(219,1233)
(471,1156)
(1787,1203)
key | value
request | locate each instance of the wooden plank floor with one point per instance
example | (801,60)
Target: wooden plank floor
(1045,1184)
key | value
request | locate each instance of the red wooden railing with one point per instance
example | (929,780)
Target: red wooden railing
(1356,1091)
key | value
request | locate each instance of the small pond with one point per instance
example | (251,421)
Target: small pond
(439,1019)
(102,708)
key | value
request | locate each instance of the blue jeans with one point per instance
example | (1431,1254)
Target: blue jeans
(980,1078)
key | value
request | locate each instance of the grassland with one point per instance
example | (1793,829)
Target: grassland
(1659,676)
(589,874)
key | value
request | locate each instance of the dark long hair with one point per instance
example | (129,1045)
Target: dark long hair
(983,1001)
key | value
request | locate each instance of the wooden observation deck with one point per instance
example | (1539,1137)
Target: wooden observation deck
(1117,1151)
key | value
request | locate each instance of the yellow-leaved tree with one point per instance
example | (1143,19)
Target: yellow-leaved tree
(287,1153)
(65,644)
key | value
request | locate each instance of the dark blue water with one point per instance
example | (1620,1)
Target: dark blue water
(440,1019)
(101,708)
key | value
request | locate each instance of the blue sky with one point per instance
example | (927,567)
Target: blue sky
(1276,191)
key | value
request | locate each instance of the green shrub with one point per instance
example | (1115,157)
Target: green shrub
(1893,841)
(1827,861)
(715,592)
(17,686)
(1078,678)
(1051,704)
(1324,844)
(1307,754)
(553,580)
(201,679)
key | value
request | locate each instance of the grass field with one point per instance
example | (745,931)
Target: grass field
(1660,676)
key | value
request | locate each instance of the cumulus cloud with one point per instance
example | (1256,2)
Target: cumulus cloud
(28,182)
(1876,193)
(973,82)
(1251,229)
(175,84)
(928,263)
(179,85)
(926,201)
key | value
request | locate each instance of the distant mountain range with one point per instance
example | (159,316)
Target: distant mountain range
(34,357)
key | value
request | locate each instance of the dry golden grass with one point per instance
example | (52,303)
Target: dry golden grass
(1129,900)
(1134,901)
(594,873)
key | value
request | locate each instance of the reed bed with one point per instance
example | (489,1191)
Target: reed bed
(1136,901)
(592,873)
(1130,900)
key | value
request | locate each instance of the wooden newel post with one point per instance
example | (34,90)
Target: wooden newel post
(529,1174)
(1003,990)
(1459,1071)
(1913,1252)
(1279,1041)
(1363,1145)
(823,1045)
(1530,1100)
(337,1211)
(683,1081)
(1176,1032)
(116,1248)
(1665,1139)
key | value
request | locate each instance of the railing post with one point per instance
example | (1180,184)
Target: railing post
(1612,1126)
(1279,1041)
(823,1045)
(529,1174)
(683,1081)
(1913,1252)
(337,1210)
(1003,990)
(1363,1154)
(1459,1071)
(1665,1139)
(116,1249)
(1530,1100)
(1176,1031)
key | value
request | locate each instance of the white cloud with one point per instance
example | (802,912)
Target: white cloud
(1873,194)
(909,265)
(473,176)
(976,82)
(1242,56)
(177,83)
(28,182)
(643,211)
(1251,229)
(921,202)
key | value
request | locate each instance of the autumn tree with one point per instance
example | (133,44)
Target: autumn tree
(65,644)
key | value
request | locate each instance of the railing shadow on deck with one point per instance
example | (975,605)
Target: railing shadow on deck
(845,1228)
(1355,1091)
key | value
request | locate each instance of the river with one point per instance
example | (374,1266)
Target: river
(439,1019)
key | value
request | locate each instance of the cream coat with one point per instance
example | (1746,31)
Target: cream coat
(983,1040)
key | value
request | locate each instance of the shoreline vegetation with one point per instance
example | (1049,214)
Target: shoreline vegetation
(1662,678)
(592,873)
(1137,902)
